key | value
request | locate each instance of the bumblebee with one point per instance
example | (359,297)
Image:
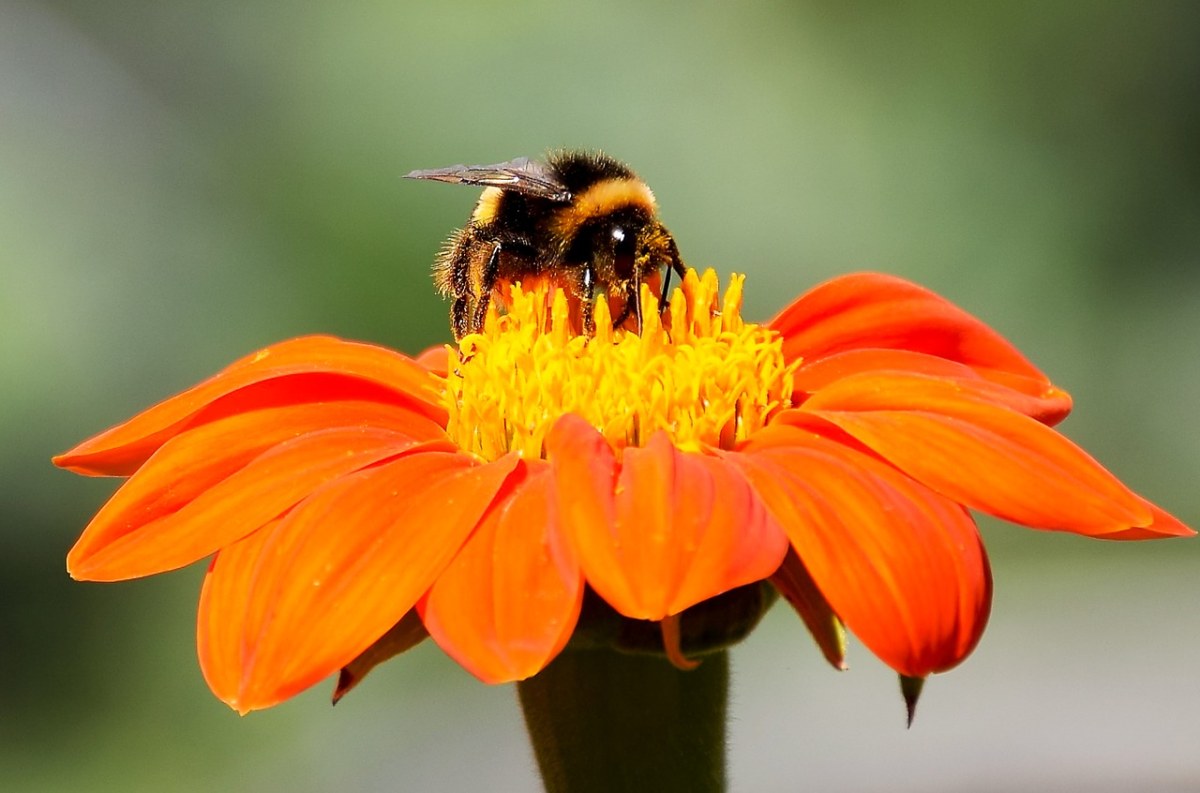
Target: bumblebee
(581,219)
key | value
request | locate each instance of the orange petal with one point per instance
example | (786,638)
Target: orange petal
(795,583)
(225,598)
(509,601)
(436,359)
(308,369)
(874,310)
(338,571)
(985,457)
(846,371)
(117,545)
(1163,525)
(662,530)
(903,567)
(191,463)
(400,638)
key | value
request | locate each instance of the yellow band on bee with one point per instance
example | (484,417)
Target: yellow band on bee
(601,199)
(489,203)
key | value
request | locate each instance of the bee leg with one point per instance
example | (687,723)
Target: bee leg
(458,317)
(588,288)
(637,304)
(676,265)
(487,282)
(452,277)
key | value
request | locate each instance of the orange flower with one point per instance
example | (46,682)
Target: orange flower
(345,490)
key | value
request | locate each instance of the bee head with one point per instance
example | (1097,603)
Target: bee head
(613,244)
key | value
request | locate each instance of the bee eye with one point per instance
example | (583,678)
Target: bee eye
(623,252)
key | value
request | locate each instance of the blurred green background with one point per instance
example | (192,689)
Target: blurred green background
(184,182)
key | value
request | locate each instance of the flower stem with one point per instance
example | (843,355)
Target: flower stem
(601,720)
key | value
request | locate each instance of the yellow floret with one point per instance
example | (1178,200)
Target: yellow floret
(706,377)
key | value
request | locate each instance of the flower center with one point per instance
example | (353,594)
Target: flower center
(699,372)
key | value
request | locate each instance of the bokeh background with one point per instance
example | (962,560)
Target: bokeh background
(184,182)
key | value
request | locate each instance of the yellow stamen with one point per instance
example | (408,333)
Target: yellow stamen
(700,372)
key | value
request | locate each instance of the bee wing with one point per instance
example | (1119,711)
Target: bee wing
(521,175)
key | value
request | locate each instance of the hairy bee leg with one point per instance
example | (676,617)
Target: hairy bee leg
(588,288)
(487,282)
(480,312)
(637,304)
(451,276)
(458,317)
(676,265)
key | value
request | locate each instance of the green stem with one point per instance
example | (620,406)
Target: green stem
(602,721)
